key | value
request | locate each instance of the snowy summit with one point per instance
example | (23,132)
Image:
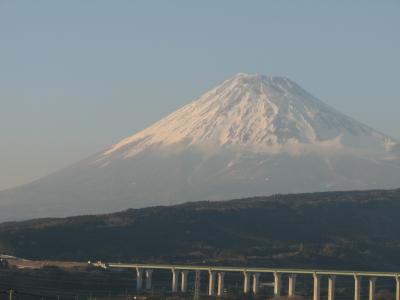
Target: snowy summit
(251,135)
(260,114)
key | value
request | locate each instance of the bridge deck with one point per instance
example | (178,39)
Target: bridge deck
(254,270)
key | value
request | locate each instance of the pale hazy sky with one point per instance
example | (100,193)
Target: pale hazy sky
(76,76)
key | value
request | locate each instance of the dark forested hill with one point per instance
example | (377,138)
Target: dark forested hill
(326,230)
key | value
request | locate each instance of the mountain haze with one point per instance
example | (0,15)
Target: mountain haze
(251,135)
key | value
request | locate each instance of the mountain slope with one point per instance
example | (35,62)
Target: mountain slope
(348,230)
(257,113)
(251,135)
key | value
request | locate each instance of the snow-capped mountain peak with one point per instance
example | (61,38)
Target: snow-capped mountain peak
(259,113)
(251,135)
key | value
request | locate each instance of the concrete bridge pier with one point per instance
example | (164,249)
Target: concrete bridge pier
(246,282)
(184,280)
(372,284)
(357,287)
(292,285)
(317,286)
(175,279)
(256,283)
(331,287)
(211,283)
(139,278)
(149,276)
(221,276)
(397,287)
(277,284)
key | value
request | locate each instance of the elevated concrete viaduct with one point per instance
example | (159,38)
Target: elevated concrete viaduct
(251,278)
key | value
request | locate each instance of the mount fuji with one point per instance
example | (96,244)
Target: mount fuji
(251,135)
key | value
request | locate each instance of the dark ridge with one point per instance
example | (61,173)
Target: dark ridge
(339,230)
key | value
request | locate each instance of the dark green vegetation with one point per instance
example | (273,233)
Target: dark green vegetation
(340,230)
